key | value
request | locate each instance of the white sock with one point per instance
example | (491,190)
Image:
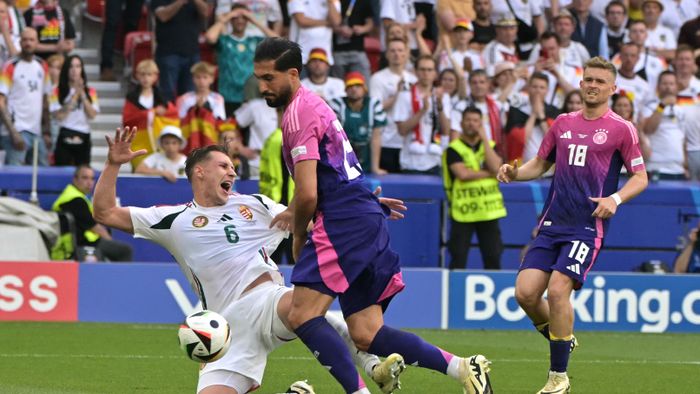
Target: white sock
(361,359)
(362,391)
(453,367)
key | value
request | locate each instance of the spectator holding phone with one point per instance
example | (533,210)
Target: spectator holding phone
(688,261)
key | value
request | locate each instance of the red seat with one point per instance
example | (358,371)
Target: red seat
(374,52)
(138,46)
(95,10)
(142,26)
(206,51)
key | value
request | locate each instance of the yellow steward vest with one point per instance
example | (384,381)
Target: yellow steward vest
(271,174)
(70,193)
(472,201)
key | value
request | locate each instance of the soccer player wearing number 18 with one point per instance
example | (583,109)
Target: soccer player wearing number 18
(346,254)
(589,148)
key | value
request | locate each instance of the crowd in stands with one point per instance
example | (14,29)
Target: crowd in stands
(518,61)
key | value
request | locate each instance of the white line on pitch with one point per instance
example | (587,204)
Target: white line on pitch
(147,356)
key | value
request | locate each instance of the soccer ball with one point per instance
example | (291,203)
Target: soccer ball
(204,336)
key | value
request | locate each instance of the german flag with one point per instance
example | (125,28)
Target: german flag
(685,100)
(148,126)
(201,128)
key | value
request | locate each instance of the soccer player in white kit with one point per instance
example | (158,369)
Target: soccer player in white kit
(221,241)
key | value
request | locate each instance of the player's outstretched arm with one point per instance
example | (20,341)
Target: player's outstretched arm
(607,206)
(304,202)
(105,199)
(531,170)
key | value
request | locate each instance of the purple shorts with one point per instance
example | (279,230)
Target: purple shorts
(571,254)
(351,259)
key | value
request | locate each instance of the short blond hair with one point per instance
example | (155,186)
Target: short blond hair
(146,66)
(203,68)
(599,62)
(55,58)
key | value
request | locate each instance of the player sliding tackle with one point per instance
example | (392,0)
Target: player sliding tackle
(589,148)
(222,241)
(347,253)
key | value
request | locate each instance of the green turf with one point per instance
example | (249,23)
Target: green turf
(125,358)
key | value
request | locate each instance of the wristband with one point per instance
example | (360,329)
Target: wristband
(660,109)
(617,198)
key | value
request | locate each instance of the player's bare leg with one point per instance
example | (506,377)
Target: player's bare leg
(529,288)
(219,389)
(307,319)
(560,330)
(369,333)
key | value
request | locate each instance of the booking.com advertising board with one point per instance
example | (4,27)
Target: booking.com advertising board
(159,293)
(610,302)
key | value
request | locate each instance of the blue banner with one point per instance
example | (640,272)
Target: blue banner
(609,302)
(159,293)
(134,293)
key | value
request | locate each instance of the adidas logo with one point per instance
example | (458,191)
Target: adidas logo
(224,218)
(566,135)
(574,268)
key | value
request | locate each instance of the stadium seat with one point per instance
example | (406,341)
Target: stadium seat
(374,52)
(138,46)
(206,51)
(95,10)
(144,25)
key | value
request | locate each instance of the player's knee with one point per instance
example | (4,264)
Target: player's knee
(297,317)
(526,297)
(362,338)
(556,295)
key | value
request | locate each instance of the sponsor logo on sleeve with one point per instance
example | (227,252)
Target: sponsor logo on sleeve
(637,161)
(299,150)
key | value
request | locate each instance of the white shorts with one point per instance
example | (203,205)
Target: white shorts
(256,331)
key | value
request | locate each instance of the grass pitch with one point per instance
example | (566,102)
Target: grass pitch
(126,358)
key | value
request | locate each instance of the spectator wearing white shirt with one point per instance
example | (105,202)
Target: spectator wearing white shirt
(660,38)
(572,53)
(685,68)
(691,129)
(386,85)
(318,79)
(563,78)
(529,11)
(422,118)
(9,43)
(461,52)
(24,91)
(266,12)
(74,104)
(628,81)
(677,12)
(312,23)
(402,12)
(649,66)
(261,121)
(502,48)
(168,162)
(662,120)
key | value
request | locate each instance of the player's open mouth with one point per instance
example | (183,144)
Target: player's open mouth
(226,186)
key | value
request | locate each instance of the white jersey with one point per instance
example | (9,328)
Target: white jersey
(331,89)
(218,248)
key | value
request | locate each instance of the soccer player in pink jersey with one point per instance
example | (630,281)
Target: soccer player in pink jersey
(589,147)
(346,254)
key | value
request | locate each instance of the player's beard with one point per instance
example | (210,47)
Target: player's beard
(278,100)
(595,102)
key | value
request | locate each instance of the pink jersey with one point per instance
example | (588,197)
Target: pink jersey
(311,131)
(588,155)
